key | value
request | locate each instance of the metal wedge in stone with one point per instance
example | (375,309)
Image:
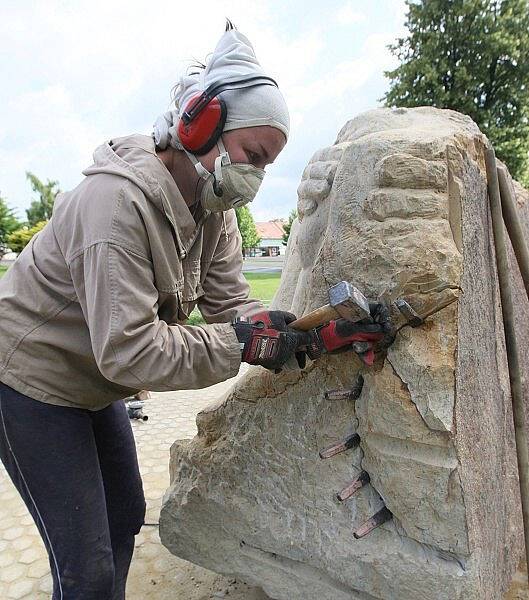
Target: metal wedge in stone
(351,441)
(355,485)
(382,516)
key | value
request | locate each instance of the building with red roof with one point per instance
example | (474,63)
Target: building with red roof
(271,234)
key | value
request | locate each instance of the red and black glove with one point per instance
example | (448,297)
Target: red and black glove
(361,336)
(266,339)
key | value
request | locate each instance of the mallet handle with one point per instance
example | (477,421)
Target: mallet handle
(321,315)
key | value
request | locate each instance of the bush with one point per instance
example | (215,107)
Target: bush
(20,238)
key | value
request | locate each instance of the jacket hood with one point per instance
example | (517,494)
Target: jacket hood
(134,158)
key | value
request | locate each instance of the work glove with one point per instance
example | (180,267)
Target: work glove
(363,337)
(267,340)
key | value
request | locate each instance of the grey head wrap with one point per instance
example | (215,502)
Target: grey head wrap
(248,105)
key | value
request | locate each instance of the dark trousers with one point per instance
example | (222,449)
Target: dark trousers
(77,472)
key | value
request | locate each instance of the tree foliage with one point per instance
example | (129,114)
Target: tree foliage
(250,237)
(288,225)
(8,224)
(20,238)
(471,56)
(41,208)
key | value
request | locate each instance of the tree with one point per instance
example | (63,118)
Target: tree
(246,224)
(20,238)
(288,225)
(471,56)
(41,209)
(8,224)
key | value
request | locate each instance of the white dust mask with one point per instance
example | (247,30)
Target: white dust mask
(231,185)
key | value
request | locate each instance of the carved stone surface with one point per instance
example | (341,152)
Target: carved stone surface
(398,205)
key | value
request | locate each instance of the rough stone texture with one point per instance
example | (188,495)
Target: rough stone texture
(397,205)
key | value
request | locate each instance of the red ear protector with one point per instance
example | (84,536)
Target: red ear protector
(204,117)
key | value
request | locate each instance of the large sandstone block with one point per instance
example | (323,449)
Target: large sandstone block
(397,204)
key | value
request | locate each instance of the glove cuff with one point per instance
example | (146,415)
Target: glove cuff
(316,346)
(259,344)
(324,339)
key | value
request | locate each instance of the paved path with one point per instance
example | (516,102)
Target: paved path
(264,264)
(155,573)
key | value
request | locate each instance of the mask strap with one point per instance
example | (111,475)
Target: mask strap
(199,167)
(222,159)
(223,152)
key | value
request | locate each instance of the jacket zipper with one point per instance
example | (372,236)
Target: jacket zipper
(224,226)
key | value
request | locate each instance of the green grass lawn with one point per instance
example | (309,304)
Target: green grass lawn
(263,286)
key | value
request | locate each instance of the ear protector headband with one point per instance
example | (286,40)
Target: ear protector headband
(204,117)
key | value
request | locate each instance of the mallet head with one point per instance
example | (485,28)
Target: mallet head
(349,302)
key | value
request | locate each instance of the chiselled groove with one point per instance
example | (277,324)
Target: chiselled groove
(303,571)
(435,456)
(384,203)
(406,171)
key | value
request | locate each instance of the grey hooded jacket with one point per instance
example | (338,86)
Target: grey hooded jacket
(92,309)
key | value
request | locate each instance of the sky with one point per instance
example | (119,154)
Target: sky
(75,74)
